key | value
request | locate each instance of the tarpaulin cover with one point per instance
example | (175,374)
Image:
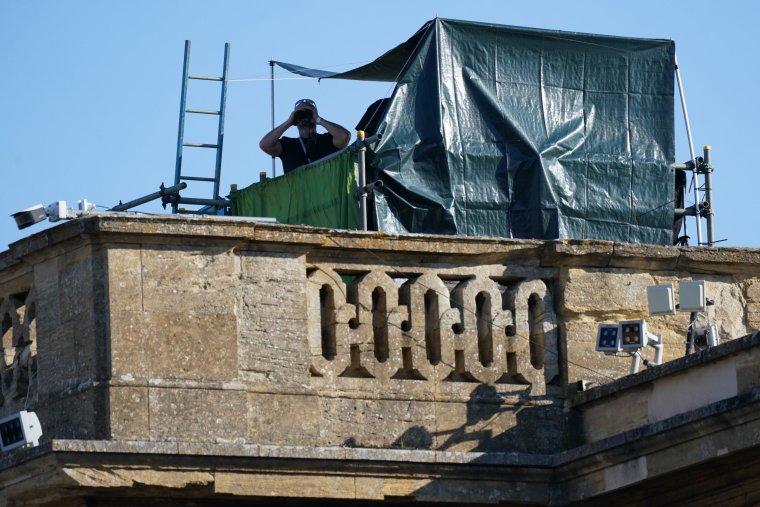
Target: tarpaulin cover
(514,132)
(321,194)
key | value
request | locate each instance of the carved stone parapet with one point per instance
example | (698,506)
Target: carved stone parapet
(420,326)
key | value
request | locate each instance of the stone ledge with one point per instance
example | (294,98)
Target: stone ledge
(745,404)
(296,452)
(241,229)
(671,367)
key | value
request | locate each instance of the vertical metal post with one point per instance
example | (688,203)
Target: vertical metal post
(182,105)
(695,169)
(707,170)
(362,180)
(271,76)
(636,363)
(220,134)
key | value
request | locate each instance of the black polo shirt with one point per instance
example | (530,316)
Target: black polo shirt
(293,154)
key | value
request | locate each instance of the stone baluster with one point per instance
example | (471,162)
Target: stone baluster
(428,340)
(375,335)
(328,317)
(532,351)
(480,341)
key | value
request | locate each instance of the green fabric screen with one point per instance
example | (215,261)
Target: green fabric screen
(322,194)
(504,131)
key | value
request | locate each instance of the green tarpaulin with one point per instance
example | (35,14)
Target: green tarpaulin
(514,132)
(321,194)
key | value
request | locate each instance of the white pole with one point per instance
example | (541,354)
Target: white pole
(271,75)
(694,175)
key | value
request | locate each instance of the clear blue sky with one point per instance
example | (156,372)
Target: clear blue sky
(90,89)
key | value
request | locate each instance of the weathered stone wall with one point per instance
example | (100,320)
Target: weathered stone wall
(223,331)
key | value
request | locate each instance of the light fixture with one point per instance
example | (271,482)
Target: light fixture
(608,338)
(628,336)
(20,429)
(54,212)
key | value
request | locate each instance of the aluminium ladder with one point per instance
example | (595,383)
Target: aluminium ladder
(213,205)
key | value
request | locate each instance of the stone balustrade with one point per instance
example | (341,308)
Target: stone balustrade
(122,327)
(431,327)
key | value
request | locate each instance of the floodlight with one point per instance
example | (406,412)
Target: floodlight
(29,216)
(20,429)
(633,334)
(660,300)
(608,338)
(692,297)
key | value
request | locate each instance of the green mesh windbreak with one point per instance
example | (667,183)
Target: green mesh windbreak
(322,194)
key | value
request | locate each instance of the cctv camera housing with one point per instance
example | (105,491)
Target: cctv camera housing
(29,216)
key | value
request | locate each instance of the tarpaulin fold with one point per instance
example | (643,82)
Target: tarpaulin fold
(322,194)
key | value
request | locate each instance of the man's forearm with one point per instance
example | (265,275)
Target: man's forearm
(270,143)
(340,135)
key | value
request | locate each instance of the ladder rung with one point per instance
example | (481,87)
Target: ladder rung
(202,111)
(200,145)
(196,178)
(206,78)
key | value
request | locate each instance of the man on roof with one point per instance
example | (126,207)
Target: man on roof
(308,146)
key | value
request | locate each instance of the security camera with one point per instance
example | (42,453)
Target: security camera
(29,216)
(54,212)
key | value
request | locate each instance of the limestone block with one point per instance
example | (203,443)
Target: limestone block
(616,415)
(470,426)
(125,277)
(284,419)
(753,289)
(195,279)
(322,486)
(577,330)
(81,415)
(604,291)
(65,357)
(273,319)
(482,491)
(274,351)
(644,257)
(377,423)
(747,371)
(201,415)
(75,283)
(493,424)
(185,480)
(729,306)
(570,252)
(719,260)
(753,316)
(585,363)
(174,345)
(129,413)
(374,488)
